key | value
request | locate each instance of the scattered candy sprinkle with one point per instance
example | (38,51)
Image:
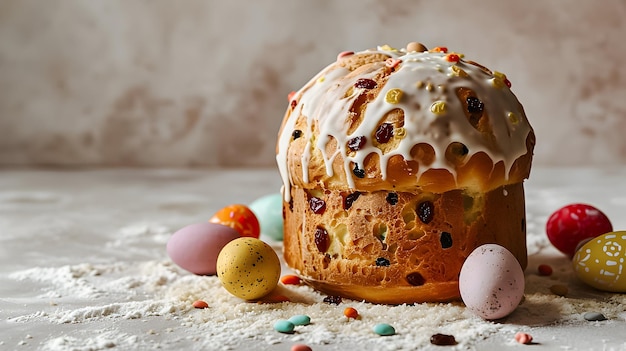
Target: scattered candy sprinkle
(507,83)
(594,316)
(200,304)
(300,347)
(291,95)
(284,326)
(344,54)
(392,62)
(438,107)
(559,289)
(452,58)
(393,96)
(384,329)
(440,49)
(290,279)
(523,338)
(544,270)
(293,103)
(442,340)
(351,313)
(321,79)
(513,118)
(300,319)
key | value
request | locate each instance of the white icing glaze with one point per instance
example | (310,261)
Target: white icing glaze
(323,101)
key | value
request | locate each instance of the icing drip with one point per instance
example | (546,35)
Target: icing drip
(424,86)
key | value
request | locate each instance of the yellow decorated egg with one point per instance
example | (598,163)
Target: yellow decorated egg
(248,268)
(600,262)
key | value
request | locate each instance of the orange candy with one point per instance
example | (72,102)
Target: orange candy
(240,218)
(351,313)
(290,279)
(200,304)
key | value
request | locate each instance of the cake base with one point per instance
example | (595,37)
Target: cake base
(399,248)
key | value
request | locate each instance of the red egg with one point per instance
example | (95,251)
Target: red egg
(240,218)
(574,223)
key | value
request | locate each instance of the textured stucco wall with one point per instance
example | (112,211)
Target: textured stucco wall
(204,83)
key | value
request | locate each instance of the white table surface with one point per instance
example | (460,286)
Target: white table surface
(89,218)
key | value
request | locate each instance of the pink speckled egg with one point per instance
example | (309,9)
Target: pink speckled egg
(491,282)
(195,247)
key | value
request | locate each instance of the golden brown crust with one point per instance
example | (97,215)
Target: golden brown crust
(409,251)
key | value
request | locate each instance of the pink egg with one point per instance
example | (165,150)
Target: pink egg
(195,247)
(491,282)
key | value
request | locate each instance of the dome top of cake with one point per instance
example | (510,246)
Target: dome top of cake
(385,117)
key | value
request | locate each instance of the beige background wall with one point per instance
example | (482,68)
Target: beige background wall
(204,83)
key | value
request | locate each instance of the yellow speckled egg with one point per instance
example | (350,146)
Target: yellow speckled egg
(248,268)
(600,262)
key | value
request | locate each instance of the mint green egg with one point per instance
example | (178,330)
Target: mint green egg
(269,211)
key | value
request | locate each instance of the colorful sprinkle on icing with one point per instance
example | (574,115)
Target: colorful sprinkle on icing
(438,107)
(321,79)
(394,96)
(399,133)
(497,83)
(457,71)
(344,54)
(388,48)
(440,49)
(392,62)
(453,58)
(291,95)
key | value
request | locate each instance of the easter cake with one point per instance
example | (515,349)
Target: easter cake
(396,165)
